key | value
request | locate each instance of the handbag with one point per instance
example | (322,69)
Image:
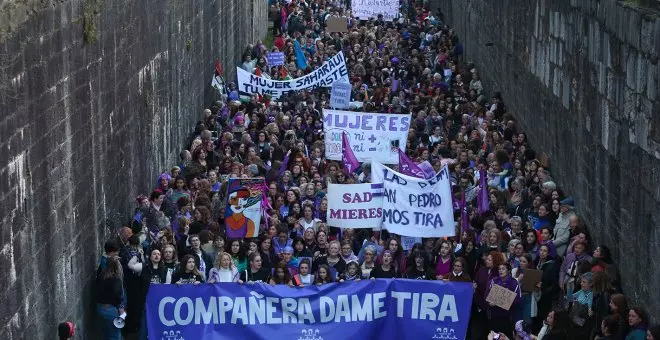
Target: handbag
(579,314)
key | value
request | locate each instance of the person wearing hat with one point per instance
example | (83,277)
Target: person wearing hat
(562,229)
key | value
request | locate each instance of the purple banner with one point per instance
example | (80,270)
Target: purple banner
(348,158)
(482,196)
(408,167)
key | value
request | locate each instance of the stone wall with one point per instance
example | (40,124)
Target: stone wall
(96,99)
(581,76)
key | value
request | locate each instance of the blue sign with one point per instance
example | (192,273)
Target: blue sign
(368,309)
(275,58)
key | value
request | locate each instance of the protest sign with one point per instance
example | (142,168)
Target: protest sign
(324,76)
(408,242)
(415,206)
(501,297)
(275,58)
(337,24)
(245,197)
(365,9)
(340,96)
(365,309)
(371,135)
(355,205)
(530,278)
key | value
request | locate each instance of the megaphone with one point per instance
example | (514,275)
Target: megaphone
(120,321)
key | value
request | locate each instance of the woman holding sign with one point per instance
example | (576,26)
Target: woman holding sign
(501,319)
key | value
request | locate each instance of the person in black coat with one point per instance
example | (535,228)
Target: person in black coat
(203,260)
(549,284)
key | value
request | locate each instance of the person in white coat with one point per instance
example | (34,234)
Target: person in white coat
(562,229)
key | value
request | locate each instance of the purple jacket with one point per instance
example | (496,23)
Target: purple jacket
(482,279)
(568,261)
(510,284)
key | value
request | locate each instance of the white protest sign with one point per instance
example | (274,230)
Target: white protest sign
(365,9)
(340,96)
(371,135)
(355,205)
(324,76)
(413,206)
(408,242)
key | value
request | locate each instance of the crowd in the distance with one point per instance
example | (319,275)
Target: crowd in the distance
(178,233)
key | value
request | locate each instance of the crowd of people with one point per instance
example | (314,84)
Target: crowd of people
(178,233)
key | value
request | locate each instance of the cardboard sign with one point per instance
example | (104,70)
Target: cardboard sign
(530,278)
(337,24)
(501,297)
(340,95)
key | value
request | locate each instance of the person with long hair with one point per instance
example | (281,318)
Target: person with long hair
(303,277)
(323,275)
(420,270)
(352,272)
(256,272)
(555,325)
(281,276)
(153,272)
(188,272)
(501,320)
(638,320)
(110,298)
(619,306)
(170,261)
(528,303)
(224,270)
(549,285)
(386,269)
(238,254)
(443,259)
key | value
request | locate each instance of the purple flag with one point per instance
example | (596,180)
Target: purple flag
(465,223)
(429,172)
(395,85)
(482,196)
(408,167)
(350,161)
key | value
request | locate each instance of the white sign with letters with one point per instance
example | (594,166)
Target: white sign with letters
(365,9)
(332,70)
(413,206)
(372,136)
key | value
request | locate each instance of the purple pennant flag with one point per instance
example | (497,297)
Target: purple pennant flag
(465,223)
(350,161)
(482,196)
(395,85)
(408,167)
(429,172)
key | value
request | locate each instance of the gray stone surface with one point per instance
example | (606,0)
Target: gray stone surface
(581,76)
(96,98)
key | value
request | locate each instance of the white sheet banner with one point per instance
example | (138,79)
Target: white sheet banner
(355,205)
(413,206)
(365,9)
(371,135)
(324,76)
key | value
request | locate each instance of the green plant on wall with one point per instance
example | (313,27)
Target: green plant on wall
(91,18)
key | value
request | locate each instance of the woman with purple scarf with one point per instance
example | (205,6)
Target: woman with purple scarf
(499,319)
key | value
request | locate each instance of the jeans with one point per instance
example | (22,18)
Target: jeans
(108,329)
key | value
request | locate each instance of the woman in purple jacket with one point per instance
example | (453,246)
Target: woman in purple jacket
(499,319)
(485,274)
